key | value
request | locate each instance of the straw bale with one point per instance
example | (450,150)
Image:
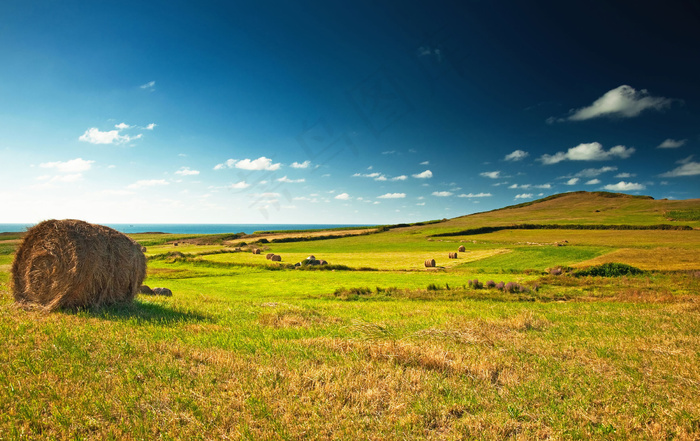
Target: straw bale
(276,258)
(269,256)
(71,264)
(430,263)
(462,249)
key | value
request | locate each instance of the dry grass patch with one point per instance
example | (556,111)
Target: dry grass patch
(660,259)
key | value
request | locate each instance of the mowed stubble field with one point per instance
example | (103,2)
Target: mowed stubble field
(378,347)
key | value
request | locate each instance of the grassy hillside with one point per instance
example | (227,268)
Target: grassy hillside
(378,346)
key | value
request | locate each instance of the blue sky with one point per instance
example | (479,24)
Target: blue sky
(340,112)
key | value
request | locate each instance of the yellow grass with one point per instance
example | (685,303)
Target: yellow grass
(661,259)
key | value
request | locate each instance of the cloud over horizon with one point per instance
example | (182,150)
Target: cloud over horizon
(623,102)
(592,151)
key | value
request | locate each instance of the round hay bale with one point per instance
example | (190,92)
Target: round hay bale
(276,258)
(430,263)
(145,289)
(462,249)
(71,264)
(256,251)
(269,256)
(143,249)
(453,255)
(162,292)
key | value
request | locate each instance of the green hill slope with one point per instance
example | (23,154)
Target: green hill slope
(581,208)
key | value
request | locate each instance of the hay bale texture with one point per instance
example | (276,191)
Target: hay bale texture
(462,249)
(71,264)
(430,263)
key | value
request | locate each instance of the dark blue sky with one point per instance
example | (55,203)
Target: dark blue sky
(340,112)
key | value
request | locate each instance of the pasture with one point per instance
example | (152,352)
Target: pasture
(376,346)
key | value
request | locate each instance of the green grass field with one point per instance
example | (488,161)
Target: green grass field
(379,347)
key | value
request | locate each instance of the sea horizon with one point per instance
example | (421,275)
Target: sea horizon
(194,228)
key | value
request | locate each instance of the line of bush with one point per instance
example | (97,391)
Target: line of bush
(486,230)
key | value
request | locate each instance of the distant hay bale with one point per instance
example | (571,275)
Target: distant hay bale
(269,256)
(256,251)
(162,292)
(145,289)
(276,258)
(72,264)
(430,263)
(143,249)
(462,249)
(453,255)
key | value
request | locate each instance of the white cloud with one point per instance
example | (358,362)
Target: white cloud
(148,85)
(122,126)
(425,163)
(671,144)
(423,175)
(151,126)
(392,196)
(147,183)
(343,196)
(399,178)
(239,185)
(381,178)
(389,152)
(491,174)
(472,195)
(623,102)
(625,175)
(593,172)
(185,171)
(517,155)
(687,168)
(290,181)
(94,135)
(624,186)
(304,164)
(543,186)
(572,181)
(262,163)
(442,194)
(524,196)
(519,186)
(73,166)
(592,151)
(593,182)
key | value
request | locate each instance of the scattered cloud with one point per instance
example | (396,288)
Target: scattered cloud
(151,126)
(262,163)
(671,144)
(425,163)
(94,135)
(572,181)
(625,175)
(688,167)
(524,196)
(519,186)
(76,165)
(285,179)
(185,171)
(389,152)
(122,126)
(304,164)
(477,195)
(423,175)
(593,182)
(624,186)
(343,197)
(148,183)
(592,151)
(517,155)
(392,196)
(72,177)
(442,194)
(399,178)
(543,186)
(491,174)
(150,85)
(239,185)
(622,102)
(593,172)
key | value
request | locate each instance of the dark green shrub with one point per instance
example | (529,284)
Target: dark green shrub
(611,269)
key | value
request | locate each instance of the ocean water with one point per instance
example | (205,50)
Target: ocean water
(198,228)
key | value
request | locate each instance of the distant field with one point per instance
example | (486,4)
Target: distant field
(378,347)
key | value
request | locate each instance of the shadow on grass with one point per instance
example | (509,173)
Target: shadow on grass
(145,312)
